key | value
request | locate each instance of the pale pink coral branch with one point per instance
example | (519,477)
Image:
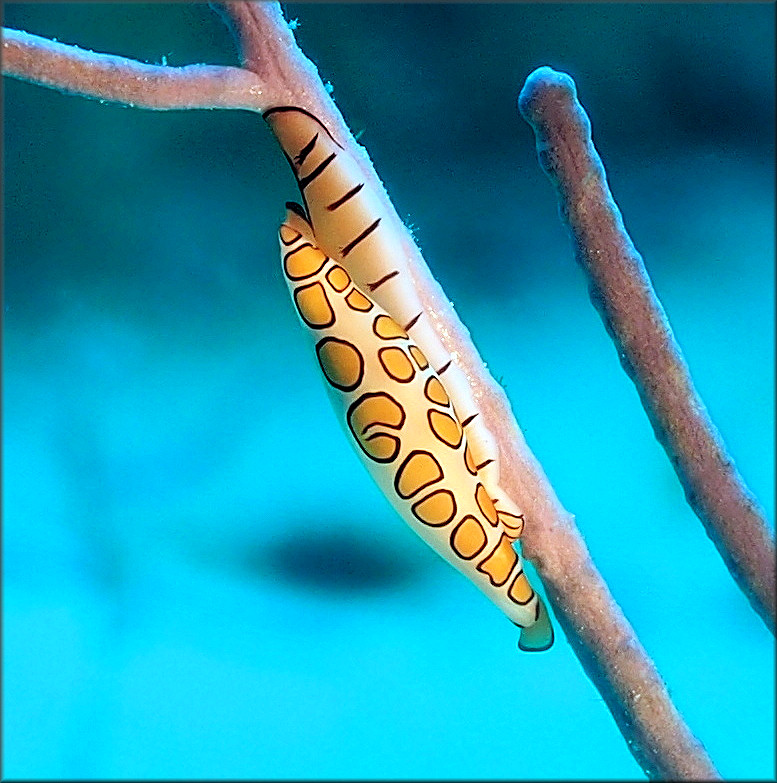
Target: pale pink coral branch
(123,80)
(276,69)
(621,290)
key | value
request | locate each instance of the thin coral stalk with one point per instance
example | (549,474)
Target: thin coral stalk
(123,80)
(621,291)
(596,628)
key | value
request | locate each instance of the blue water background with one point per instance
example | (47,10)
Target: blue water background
(199,579)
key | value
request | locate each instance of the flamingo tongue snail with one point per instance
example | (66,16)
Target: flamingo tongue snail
(404,424)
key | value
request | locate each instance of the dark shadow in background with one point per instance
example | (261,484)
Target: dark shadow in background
(337,558)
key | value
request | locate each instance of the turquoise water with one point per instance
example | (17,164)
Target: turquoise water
(199,579)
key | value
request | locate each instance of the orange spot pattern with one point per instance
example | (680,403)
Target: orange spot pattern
(498,565)
(356,300)
(313,306)
(436,509)
(512,524)
(388,329)
(419,357)
(520,591)
(338,278)
(341,363)
(376,419)
(304,261)
(420,469)
(469,461)
(445,428)
(435,391)
(367,419)
(396,364)
(486,505)
(288,235)
(468,538)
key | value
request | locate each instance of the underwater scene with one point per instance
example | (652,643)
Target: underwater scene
(199,578)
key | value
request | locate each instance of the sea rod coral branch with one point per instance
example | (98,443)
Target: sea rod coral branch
(621,291)
(108,77)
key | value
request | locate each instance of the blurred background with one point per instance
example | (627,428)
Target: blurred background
(200,581)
